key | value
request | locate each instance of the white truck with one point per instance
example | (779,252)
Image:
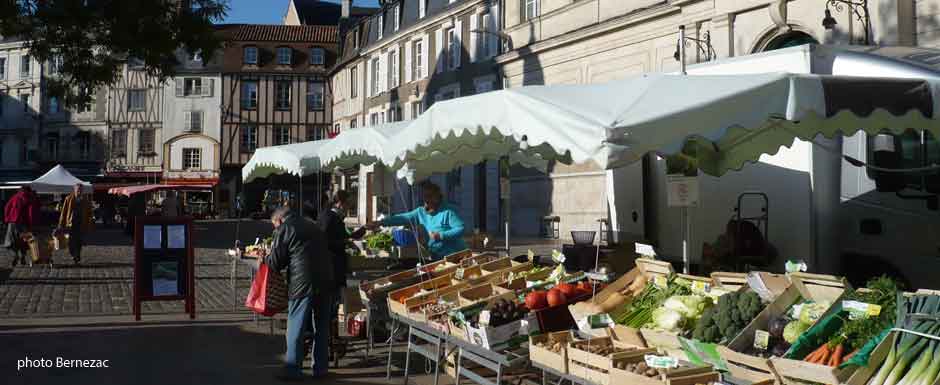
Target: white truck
(822,209)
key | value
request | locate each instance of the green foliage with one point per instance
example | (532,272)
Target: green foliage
(379,241)
(95,37)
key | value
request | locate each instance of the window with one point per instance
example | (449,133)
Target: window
(352,123)
(55,64)
(354,82)
(396,13)
(250,55)
(52,146)
(530,9)
(314,133)
(315,95)
(249,138)
(422,8)
(375,76)
(355,35)
(196,56)
(83,144)
(24,66)
(317,56)
(416,110)
(192,86)
(193,121)
(453,48)
(281,135)
(24,98)
(145,145)
(392,69)
(484,86)
(192,158)
(135,63)
(282,94)
(395,115)
(374,119)
(419,60)
(249,95)
(483,49)
(53,105)
(3,68)
(136,99)
(284,56)
(381,24)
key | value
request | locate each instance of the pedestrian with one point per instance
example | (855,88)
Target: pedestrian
(75,218)
(301,247)
(136,207)
(332,221)
(441,221)
(19,213)
(171,205)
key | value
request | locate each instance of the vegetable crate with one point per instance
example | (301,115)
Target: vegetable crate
(863,374)
(592,359)
(745,366)
(378,290)
(499,264)
(555,355)
(399,301)
(683,375)
(494,337)
(470,296)
(610,297)
(417,308)
(817,288)
(667,341)
(501,275)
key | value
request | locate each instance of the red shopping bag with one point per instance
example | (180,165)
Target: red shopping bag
(268,294)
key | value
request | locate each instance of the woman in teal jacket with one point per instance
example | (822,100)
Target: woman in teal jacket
(441,221)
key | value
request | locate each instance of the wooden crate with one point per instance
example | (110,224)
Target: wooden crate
(626,335)
(499,264)
(817,288)
(863,374)
(546,357)
(577,355)
(644,269)
(669,342)
(379,288)
(447,294)
(400,300)
(471,295)
(683,375)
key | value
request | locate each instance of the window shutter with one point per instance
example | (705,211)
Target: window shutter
(493,27)
(383,72)
(408,69)
(179,87)
(368,77)
(458,36)
(425,52)
(199,121)
(474,22)
(188,121)
(439,50)
(209,89)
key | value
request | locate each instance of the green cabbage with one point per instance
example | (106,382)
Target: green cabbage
(812,312)
(793,330)
(689,306)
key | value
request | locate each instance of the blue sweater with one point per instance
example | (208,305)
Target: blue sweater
(444,221)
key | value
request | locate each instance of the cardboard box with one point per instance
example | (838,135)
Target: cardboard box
(683,375)
(545,357)
(493,338)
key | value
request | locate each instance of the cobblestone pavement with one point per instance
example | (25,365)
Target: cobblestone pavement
(101,284)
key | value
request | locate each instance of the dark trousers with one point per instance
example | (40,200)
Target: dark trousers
(302,314)
(75,244)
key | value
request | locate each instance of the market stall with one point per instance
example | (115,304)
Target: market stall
(59,181)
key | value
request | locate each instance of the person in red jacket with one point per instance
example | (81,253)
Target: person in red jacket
(20,213)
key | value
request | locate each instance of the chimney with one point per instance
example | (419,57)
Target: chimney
(346,8)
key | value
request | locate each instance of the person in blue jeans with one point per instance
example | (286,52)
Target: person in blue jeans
(441,221)
(301,247)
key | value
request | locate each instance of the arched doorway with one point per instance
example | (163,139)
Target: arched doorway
(789,39)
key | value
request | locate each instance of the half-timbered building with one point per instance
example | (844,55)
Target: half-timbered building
(135,126)
(275,91)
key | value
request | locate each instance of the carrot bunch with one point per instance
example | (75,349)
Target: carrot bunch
(826,355)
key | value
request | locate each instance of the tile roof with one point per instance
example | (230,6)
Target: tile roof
(316,12)
(286,33)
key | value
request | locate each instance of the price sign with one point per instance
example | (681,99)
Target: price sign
(558,257)
(661,362)
(485,317)
(458,275)
(761,339)
(531,255)
(701,288)
(660,281)
(859,310)
(645,250)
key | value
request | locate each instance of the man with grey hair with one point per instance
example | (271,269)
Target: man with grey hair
(76,218)
(300,247)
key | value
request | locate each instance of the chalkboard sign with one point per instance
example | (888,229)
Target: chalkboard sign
(163,262)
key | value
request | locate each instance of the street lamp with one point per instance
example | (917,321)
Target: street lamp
(859,8)
(704,45)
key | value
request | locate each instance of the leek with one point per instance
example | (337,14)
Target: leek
(899,368)
(901,354)
(917,370)
(930,375)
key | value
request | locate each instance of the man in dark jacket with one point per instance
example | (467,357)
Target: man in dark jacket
(331,220)
(301,247)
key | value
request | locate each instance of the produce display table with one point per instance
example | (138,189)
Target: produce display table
(498,362)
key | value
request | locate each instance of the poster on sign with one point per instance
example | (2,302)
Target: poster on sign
(683,191)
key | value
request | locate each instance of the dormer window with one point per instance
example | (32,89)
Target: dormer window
(135,63)
(381,25)
(284,55)
(250,55)
(317,56)
(196,56)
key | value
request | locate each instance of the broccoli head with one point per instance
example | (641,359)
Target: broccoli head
(723,320)
(711,334)
(749,305)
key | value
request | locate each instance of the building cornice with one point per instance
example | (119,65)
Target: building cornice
(587,32)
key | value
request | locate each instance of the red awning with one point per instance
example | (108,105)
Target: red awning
(131,190)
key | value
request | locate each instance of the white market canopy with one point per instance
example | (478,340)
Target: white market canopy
(58,180)
(735,119)
(732,120)
(297,159)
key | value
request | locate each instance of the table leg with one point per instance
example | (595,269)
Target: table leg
(234,289)
(407,355)
(457,366)
(388,367)
(437,362)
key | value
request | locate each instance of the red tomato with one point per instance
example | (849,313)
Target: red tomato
(556,298)
(568,290)
(536,300)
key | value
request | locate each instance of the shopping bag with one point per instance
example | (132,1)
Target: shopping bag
(268,293)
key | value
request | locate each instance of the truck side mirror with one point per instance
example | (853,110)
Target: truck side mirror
(886,153)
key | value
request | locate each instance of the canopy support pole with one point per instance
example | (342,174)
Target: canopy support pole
(300,204)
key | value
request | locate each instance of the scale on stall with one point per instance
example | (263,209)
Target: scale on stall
(163,262)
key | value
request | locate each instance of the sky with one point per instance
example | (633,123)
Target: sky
(268,11)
